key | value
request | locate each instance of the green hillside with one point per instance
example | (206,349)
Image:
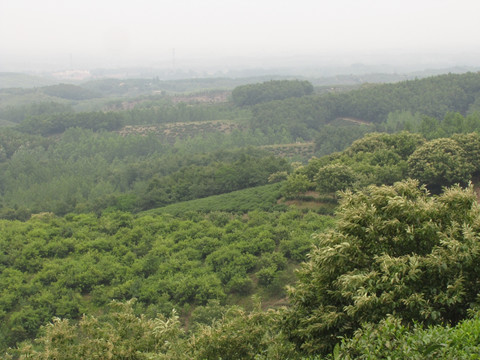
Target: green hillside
(264,198)
(269,220)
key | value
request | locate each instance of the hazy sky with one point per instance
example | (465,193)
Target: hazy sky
(148,32)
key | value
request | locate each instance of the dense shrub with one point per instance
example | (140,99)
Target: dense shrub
(395,250)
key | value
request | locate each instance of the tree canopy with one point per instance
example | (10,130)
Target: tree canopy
(440,162)
(395,250)
(253,94)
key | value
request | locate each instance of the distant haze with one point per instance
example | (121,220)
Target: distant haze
(64,34)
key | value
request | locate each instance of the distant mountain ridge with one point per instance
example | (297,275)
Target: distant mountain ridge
(20,80)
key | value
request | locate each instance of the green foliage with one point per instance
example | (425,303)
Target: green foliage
(411,106)
(66,267)
(50,124)
(380,158)
(154,113)
(220,177)
(86,171)
(69,91)
(118,335)
(11,141)
(433,96)
(440,162)
(396,257)
(247,169)
(253,94)
(296,184)
(208,314)
(402,144)
(241,335)
(237,334)
(430,127)
(391,339)
(377,158)
(19,113)
(241,201)
(331,138)
(395,250)
(470,144)
(334,177)
(294,116)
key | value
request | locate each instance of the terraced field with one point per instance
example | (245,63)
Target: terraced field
(180,131)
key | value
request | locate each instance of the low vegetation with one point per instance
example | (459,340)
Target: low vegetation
(77,264)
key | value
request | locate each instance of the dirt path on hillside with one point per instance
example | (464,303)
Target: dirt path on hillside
(299,144)
(354,120)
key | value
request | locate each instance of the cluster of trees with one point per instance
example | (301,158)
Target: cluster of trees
(434,107)
(381,158)
(151,112)
(433,98)
(298,116)
(252,94)
(86,171)
(216,178)
(234,334)
(110,87)
(52,124)
(237,334)
(333,138)
(51,118)
(17,114)
(392,339)
(265,198)
(11,141)
(430,127)
(395,251)
(337,136)
(69,91)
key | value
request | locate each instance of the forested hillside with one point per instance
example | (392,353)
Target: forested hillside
(197,224)
(354,113)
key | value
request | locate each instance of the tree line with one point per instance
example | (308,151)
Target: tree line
(87,171)
(252,94)
(306,117)
(381,158)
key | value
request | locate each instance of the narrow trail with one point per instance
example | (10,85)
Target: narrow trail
(354,120)
(299,144)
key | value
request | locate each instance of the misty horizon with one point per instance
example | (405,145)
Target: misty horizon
(299,64)
(222,35)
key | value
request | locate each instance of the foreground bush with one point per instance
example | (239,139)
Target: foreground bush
(392,340)
(395,250)
(118,335)
(121,334)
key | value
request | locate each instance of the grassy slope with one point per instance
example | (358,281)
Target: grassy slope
(258,198)
(266,198)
